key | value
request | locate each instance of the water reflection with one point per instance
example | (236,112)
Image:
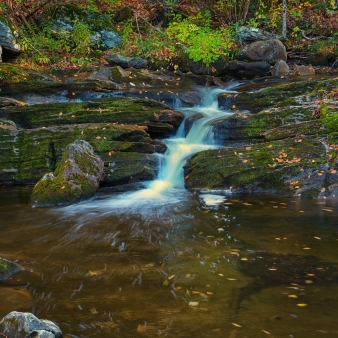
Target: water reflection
(243,267)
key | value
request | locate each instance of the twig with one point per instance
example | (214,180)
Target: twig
(311,39)
(3,335)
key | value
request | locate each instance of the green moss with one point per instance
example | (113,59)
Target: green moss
(15,323)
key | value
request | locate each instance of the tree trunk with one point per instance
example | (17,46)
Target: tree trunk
(284,20)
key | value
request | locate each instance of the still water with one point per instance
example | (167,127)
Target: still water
(166,262)
(248,266)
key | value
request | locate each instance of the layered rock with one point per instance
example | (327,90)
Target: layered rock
(297,154)
(76,178)
(33,139)
(25,324)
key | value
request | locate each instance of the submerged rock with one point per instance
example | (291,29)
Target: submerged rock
(25,324)
(76,178)
(8,268)
(280,68)
(304,70)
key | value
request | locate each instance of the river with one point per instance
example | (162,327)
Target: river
(166,262)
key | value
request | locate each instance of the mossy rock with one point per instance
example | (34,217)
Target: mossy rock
(281,95)
(76,178)
(106,110)
(292,166)
(8,268)
(27,154)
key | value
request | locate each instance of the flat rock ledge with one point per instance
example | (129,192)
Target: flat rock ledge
(26,325)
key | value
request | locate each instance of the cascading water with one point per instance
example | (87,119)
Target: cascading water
(169,187)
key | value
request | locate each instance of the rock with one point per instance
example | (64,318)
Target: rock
(8,268)
(126,62)
(10,47)
(269,50)
(304,70)
(26,325)
(267,167)
(123,14)
(240,69)
(189,121)
(247,35)
(76,178)
(110,39)
(280,68)
(318,59)
(296,155)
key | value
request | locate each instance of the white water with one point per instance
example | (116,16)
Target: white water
(169,187)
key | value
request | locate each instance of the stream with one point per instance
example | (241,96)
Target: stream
(163,261)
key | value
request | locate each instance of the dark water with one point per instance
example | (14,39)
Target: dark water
(253,267)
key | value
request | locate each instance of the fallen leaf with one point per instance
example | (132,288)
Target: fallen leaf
(235,324)
(142,328)
(301,304)
(244,259)
(306,248)
(231,279)
(266,332)
(317,237)
(308,281)
(292,296)
(132,84)
(165,283)
(193,303)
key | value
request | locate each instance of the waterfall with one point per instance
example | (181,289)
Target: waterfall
(168,188)
(180,148)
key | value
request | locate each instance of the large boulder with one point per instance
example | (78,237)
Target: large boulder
(241,69)
(126,62)
(269,50)
(247,35)
(8,268)
(76,178)
(26,325)
(8,43)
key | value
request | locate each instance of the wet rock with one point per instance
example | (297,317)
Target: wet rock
(76,178)
(297,153)
(304,70)
(241,69)
(10,47)
(188,123)
(25,325)
(8,268)
(285,167)
(269,50)
(280,68)
(247,35)
(126,62)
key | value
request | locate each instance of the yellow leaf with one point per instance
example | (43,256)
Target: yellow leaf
(165,283)
(233,106)
(301,304)
(292,296)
